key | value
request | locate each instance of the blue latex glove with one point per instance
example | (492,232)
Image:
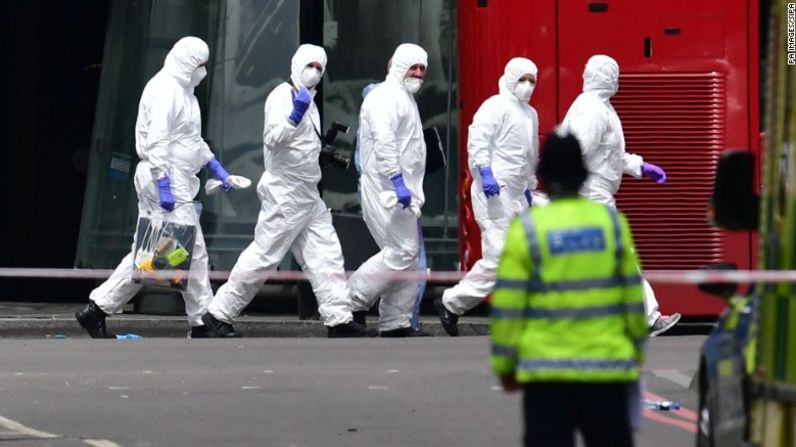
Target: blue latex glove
(164,190)
(220,173)
(529,197)
(403,193)
(488,182)
(654,172)
(301,102)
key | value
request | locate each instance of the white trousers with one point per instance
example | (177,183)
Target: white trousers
(475,286)
(291,218)
(493,216)
(650,303)
(395,232)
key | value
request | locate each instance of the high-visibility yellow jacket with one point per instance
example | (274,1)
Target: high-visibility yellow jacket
(568,302)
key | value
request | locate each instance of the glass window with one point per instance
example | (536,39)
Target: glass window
(255,42)
(139,36)
(360,36)
(248,58)
(251,44)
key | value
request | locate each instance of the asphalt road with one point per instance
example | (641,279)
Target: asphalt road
(288,392)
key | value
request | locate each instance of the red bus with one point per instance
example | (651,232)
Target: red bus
(688,91)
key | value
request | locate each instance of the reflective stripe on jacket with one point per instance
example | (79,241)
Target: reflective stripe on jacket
(568,303)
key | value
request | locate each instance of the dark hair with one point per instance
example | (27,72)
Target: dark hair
(561,167)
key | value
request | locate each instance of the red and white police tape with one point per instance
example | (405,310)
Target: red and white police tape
(657,276)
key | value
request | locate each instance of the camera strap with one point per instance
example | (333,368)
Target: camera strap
(317,132)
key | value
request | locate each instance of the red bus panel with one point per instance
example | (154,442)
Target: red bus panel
(688,91)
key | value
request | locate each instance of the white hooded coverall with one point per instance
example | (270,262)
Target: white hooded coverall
(503,135)
(593,120)
(391,143)
(168,141)
(292,215)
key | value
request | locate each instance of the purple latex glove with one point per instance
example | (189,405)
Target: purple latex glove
(301,102)
(529,197)
(654,172)
(220,173)
(403,193)
(164,190)
(488,182)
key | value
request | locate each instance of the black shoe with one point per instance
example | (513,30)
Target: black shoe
(213,328)
(403,332)
(351,329)
(447,318)
(359,317)
(198,332)
(92,318)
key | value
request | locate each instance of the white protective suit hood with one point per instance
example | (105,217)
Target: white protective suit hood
(594,121)
(601,76)
(184,58)
(406,55)
(504,136)
(306,54)
(515,69)
(168,142)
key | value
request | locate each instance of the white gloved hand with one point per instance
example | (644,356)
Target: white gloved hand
(213,186)
(389,199)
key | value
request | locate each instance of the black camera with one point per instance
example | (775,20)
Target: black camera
(330,155)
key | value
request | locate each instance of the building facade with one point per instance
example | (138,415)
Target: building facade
(251,43)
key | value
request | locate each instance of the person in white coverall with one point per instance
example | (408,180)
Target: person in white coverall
(502,149)
(422,264)
(593,120)
(393,157)
(292,215)
(169,143)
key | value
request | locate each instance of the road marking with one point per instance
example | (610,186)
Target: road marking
(674,376)
(100,443)
(16,428)
(679,423)
(683,412)
(20,429)
(688,425)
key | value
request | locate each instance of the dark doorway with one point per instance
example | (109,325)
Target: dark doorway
(53,54)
